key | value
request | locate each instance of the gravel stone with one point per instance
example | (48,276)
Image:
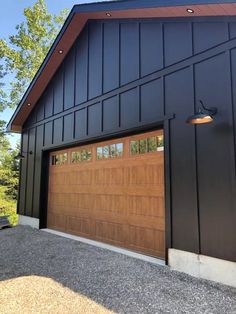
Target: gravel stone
(45,273)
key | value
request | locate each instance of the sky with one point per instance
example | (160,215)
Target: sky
(11,14)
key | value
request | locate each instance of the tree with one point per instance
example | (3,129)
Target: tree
(20,57)
(23,53)
(9,172)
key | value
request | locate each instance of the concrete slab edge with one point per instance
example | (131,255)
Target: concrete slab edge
(108,247)
(29,221)
(204,267)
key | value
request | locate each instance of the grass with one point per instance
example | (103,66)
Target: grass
(8,207)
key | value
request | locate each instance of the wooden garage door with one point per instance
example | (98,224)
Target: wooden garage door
(111,192)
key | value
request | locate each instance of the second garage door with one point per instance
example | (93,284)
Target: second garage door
(111,192)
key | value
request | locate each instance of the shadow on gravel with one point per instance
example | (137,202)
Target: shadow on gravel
(117,282)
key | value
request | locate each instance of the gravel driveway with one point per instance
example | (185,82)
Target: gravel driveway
(45,273)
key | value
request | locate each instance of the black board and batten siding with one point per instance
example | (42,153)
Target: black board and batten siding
(121,75)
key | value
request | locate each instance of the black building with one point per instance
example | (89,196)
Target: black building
(108,153)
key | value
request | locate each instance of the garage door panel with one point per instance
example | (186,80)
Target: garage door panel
(155,223)
(147,240)
(57,221)
(138,190)
(113,232)
(80,225)
(117,198)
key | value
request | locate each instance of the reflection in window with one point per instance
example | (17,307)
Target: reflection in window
(134,147)
(160,142)
(119,149)
(59,159)
(99,152)
(81,155)
(113,150)
(105,152)
(150,145)
(110,151)
(143,146)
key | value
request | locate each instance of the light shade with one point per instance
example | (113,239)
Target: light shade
(203,116)
(200,118)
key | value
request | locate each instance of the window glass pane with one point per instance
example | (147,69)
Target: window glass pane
(134,147)
(105,152)
(75,157)
(119,149)
(143,146)
(53,160)
(57,160)
(152,144)
(160,142)
(63,158)
(113,150)
(99,152)
(86,154)
(83,155)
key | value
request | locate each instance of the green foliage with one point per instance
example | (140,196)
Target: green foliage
(24,52)
(9,172)
(20,58)
(9,166)
(7,206)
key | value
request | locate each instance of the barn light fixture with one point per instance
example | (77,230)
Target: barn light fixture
(60,51)
(21,156)
(191,11)
(108,14)
(203,115)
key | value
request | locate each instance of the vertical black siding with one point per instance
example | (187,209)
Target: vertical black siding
(214,34)
(37,170)
(110,114)
(180,99)
(94,119)
(69,79)
(151,36)
(81,123)
(58,91)
(152,101)
(40,110)
(129,109)
(95,60)
(216,159)
(177,42)
(57,131)
(129,52)
(48,129)
(48,102)
(23,174)
(68,128)
(111,57)
(122,75)
(81,86)
(30,172)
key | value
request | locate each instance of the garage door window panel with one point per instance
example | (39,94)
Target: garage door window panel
(147,145)
(110,151)
(81,155)
(59,159)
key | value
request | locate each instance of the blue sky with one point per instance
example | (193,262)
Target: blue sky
(11,14)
